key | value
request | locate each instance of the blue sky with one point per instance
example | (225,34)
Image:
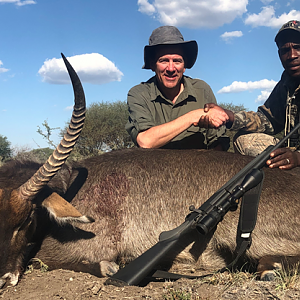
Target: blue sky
(104,41)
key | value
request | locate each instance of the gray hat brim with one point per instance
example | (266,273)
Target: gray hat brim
(190,52)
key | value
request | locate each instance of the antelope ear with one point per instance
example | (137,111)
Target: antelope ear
(62,211)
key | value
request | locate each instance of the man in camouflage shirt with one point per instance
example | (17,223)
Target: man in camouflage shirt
(164,112)
(279,113)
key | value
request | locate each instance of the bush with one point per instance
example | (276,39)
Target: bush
(104,129)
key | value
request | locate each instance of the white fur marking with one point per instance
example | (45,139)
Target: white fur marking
(14,278)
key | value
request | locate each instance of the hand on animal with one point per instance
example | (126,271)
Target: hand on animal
(284,158)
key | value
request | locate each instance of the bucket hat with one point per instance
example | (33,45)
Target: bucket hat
(170,35)
(290,25)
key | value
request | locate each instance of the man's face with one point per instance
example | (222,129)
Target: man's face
(289,53)
(169,67)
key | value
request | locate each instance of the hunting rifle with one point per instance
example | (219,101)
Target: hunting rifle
(204,219)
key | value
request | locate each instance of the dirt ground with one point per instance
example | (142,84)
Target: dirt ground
(69,285)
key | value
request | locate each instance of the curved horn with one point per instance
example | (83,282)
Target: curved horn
(54,163)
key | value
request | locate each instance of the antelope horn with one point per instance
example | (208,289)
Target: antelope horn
(54,163)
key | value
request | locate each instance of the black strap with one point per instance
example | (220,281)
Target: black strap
(248,212)
(247,222)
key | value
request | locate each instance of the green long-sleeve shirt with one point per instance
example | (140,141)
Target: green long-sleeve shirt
(148,108)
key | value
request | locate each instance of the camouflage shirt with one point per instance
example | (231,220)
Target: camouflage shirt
(279,112)
(148,108)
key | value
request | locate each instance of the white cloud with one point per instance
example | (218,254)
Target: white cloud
(228,36)
(93,68)
(265,85)
(2,70)
(146,7)
(19,2)
(194,13)
(267,18)
(240,86)
(263,96)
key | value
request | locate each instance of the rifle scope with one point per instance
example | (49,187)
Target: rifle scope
(230,200)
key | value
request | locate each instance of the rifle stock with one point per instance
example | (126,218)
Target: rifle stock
(142,266)
(204,218)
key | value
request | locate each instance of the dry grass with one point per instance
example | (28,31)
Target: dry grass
(36,263)
(288,278)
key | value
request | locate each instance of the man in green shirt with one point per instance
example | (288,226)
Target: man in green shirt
(164,112)
(280,112)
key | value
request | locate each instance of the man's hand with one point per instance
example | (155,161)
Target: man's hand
(284,158)
(214,117)
(208,106)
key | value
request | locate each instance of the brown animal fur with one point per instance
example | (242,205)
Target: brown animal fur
(134,195)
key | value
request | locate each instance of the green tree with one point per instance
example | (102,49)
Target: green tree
(104,129)
(5,150)
(233,107)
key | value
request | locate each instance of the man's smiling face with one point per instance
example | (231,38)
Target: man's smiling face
(169,67)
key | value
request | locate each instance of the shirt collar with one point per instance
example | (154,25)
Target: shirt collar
(155,91)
